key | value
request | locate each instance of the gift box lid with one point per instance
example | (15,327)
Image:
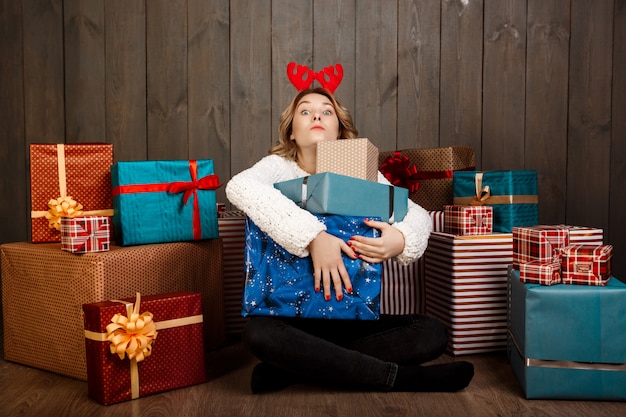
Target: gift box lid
(329,193)
(576,323)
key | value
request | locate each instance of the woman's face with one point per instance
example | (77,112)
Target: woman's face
(314,120)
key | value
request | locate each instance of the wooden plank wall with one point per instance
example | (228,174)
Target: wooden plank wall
(530,84)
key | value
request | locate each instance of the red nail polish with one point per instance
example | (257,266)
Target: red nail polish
(339,297)
(349,242)
(317,289)
(349,290)
(327,297)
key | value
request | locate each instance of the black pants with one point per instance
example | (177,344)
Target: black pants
(359,354)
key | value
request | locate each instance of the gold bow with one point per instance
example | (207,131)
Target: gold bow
(132,335)
(62,207)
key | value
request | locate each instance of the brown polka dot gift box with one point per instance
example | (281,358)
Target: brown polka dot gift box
(143,345)
(356,158)
(68,180)
(46,287)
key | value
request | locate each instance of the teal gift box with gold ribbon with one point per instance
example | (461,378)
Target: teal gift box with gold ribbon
(512,194)
(164,201)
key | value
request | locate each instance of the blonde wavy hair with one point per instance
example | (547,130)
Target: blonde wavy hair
(286,147)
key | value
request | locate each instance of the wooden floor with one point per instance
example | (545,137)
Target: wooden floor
(493,392)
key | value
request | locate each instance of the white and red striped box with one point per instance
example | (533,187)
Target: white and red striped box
(538,243)
(232,231)
(468,220)
(402,289)
(540,272)
(586,264)
(584,235)
(466,288)
(85,234)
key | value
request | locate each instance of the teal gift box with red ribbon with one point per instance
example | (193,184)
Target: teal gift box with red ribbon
(164,201)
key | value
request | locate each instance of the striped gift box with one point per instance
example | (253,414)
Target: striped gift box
(466,288)
(586,264)
(232,231)
(85,234)
(538,243)
(468,220)
(584,235)
(540,272)
(402,289)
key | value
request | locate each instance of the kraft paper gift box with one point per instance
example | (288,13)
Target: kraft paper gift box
(512,194)
(68,180)
(402,290)
(232,229)
(164,201)
(170,353)
(468,220)
(567,341)
(329,193)
(356,158)
(44,285)
(586,264)
(465,287)
(427,173)
(281,284)
(539,243)
(85,234)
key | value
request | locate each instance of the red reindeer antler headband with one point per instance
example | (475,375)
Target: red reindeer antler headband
(302,77)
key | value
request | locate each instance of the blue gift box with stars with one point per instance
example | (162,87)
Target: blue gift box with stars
(281,284)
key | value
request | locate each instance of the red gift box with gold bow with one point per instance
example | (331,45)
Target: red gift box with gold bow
(427,173)
(68,181)
(145,345)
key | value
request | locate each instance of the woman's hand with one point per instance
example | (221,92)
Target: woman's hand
(378,249)
(328,264)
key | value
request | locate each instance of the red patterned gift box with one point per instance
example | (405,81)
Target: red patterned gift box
(468,220)
(123,363)
(538,243)
(427,173)
(586,264)
(540,272)
(68,180)
(85,234)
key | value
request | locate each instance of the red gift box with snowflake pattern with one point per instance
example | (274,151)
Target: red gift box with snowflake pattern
(586,264)
(144,345)
(85,234)
(70,180)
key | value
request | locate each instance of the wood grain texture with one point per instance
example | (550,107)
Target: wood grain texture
(377,72)
(461,75)
(546,104)
(166,59)
(84,71)
(494,391)
(419,35)
(504,85)
(126,79)
(589,129)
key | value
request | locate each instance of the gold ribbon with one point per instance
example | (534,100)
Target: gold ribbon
(483,196)
(64,206)
(158,325)
(132,335)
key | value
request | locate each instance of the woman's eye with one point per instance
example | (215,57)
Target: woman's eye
(305,112)
(328,113)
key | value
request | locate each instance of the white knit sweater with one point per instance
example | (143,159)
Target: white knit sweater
(292,227)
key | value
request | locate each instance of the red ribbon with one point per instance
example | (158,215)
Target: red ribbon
(209,182)
(397,170)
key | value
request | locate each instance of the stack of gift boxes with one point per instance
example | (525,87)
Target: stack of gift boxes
(71,280)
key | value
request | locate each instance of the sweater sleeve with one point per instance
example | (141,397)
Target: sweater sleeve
(416,228)
(253,192)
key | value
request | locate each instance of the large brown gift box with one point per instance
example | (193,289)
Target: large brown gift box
(171,355)
(57,171)
(427,173)
(44,288)
(356,158)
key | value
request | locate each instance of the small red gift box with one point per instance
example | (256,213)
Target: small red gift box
(586,264)
(539,272)
(68,180)
(85,234)
(538,243)
(468,220)
(123,363)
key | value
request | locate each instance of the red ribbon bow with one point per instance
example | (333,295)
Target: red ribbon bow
(399,172)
